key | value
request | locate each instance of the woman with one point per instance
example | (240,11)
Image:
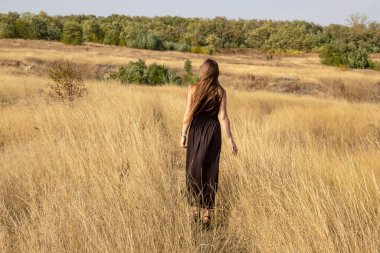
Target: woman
(205,111)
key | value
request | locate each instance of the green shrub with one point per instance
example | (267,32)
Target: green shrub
(133,73)
(174,77)
(349,55)
(333,54)
(157,74)
(359,59)
(154,74)
(138,72)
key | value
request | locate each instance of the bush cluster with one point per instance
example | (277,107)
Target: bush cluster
(154,74)
(348,55)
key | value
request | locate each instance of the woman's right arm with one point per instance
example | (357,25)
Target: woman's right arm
(225,121)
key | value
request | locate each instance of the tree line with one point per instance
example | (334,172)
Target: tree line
(199,35)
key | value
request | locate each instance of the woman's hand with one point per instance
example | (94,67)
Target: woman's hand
(183,142)
(233,147)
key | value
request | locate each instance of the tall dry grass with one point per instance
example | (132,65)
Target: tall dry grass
(106,174)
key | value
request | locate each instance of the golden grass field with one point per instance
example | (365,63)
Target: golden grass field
(106,173)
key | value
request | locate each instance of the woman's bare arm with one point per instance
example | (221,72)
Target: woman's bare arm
(223,116)
(225,121)
(185,125)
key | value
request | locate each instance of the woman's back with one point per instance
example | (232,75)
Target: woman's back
(211,109)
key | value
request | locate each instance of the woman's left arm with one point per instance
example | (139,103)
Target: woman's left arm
(185,125)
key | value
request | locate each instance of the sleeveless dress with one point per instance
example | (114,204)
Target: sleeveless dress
(203,153)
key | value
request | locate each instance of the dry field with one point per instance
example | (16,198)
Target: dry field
(106,173)
(249,71)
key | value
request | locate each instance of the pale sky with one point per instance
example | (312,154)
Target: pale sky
(321,12)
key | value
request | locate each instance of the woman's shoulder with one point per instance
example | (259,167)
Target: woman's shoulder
(192,88)
(221,91)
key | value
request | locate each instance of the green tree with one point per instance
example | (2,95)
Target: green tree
(140,37)
(72,33)
(7,25)
(112,33)
(258,37)
(335,32)
(295,35)
(213,40)
(92,31)
(22,27)
(38,26)
(7,30)
(54,30)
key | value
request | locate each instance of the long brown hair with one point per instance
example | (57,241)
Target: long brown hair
(205,88)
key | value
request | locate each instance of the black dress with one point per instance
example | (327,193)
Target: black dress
(203,153)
